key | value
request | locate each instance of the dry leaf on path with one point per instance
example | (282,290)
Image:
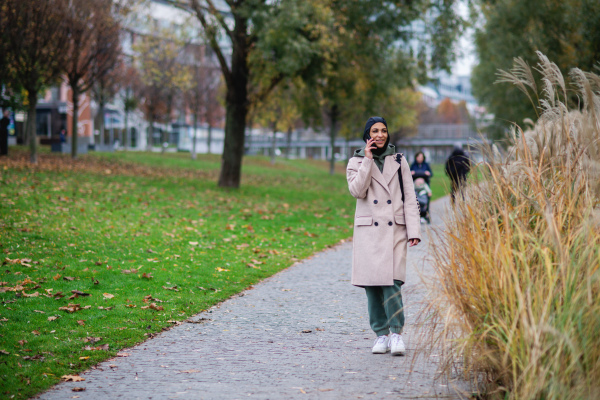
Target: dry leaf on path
(123,354)
(78,389)
(189,371)
(72,378)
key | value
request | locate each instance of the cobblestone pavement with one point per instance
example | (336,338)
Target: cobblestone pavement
(252,346)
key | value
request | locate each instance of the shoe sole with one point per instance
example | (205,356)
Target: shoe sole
(398,353)
(380,352)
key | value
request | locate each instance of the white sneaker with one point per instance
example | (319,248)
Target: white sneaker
(397,345)
(382,345)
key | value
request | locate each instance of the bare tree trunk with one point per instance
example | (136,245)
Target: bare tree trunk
(288,148)
(74,133)
(127,138)
(150,137)
(101,127)
(194,136)
(209,137)
(236,108)
(30,131)
(233,149)
(273,144)
(333,118)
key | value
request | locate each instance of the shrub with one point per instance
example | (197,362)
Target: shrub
(517,296)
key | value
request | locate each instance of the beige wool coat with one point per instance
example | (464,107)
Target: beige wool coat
(382,223)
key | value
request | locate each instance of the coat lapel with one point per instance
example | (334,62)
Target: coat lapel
(389,169)
(376,174)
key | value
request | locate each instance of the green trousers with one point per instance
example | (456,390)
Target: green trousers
(386,311)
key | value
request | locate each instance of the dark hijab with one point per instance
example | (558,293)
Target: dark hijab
(367,134)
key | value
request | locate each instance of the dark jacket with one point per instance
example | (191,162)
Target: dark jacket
(419,169)
(458,165)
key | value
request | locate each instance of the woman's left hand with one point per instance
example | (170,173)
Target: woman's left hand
(413,242)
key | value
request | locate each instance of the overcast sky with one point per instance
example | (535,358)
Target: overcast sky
(465,48)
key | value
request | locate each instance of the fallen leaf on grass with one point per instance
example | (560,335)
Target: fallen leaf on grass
(53,318)
(130,271)
(68,278)
(36,333)
(56,277)
(71,308)
(194,243)
(147,276)
(174,288)
(123,354)
(151,251)
(81,322)
(4,352)
(105,308)
(58,295)
(72,378)
(3,319)
(91,339)
(77,293)
(22,342)
(108,295)
(130,305)
(15,288)
(84,358)
(101,347)
(219,269)
(250,265)
(153,306)
(21,261)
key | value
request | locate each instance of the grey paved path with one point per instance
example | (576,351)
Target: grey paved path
(252,346)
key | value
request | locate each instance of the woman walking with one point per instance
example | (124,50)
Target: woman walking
(386,219)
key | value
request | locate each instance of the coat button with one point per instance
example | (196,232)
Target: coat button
(376,223)
(374,201)
(389,202)
(390,223)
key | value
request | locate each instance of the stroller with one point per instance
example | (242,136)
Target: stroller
(423,199)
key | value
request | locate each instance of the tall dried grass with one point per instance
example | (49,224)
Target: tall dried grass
(517,299)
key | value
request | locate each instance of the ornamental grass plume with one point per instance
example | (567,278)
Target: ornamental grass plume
(516,302)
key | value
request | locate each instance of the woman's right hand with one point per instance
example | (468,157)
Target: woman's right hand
(370,146)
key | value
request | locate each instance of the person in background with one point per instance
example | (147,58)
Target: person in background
(63,135)
(420,168)
(457,168)
(4,122)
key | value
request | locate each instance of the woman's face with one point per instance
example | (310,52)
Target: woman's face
(379,134)
(420,158)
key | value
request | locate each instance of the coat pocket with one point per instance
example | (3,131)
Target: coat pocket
(400,219)
(362,221)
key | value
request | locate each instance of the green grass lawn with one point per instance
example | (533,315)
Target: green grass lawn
(101,256)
